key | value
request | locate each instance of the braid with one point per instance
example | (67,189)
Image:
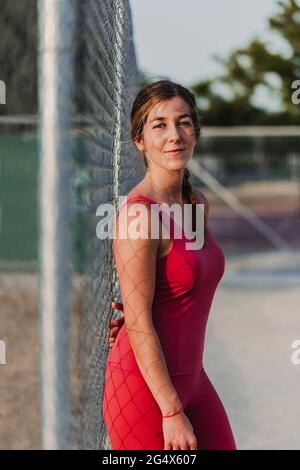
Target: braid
(188,193)
(187,189)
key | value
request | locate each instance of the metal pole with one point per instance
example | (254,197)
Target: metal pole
(119,78)
(56,46)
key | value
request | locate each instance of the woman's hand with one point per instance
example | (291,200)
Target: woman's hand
(178,433)
(115,325)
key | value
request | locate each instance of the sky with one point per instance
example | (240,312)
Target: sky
(177,38)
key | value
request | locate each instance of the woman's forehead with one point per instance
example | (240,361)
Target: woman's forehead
(167,108)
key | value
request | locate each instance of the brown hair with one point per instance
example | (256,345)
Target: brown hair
(145,100)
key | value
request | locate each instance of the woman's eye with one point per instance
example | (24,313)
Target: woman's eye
(182,122)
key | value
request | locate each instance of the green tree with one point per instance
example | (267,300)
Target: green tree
(253,67)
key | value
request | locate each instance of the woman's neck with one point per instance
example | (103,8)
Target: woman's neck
(165,188)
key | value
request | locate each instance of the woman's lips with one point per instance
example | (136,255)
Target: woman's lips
(175,152)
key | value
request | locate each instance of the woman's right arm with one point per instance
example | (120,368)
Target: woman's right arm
(136,266)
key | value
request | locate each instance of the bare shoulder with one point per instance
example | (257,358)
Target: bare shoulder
(135,223)
(138,190)
(142,211)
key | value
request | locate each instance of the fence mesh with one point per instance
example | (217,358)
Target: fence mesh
(106,167)
(234,159)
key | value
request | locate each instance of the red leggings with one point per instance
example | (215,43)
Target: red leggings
(134,421)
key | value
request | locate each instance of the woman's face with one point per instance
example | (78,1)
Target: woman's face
(169,126)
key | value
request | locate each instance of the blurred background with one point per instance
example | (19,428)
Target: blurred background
(65,148)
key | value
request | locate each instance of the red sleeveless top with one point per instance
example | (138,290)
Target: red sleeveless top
(186,281)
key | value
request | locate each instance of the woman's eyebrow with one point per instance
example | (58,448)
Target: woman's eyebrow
(179,117)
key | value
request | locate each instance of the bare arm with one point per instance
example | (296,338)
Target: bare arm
(136,266)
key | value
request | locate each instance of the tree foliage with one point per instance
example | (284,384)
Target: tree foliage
(246,70)
(255,67)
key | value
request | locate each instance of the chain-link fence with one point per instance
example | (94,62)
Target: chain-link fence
(110,169)
(100,60)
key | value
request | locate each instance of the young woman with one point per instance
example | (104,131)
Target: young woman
(157,394)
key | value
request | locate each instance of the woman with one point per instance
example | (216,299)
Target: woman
(157,394)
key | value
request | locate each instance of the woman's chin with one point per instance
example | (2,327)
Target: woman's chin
(179,164)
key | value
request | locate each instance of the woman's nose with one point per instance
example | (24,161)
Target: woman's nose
(174,133)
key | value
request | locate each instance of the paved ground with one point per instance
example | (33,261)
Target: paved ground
(247,356)
(19,406)
(20,423)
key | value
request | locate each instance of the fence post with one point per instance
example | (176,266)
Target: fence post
(56,69)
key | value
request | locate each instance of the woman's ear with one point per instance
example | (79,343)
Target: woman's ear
(140,143)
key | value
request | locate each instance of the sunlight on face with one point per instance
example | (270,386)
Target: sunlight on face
(169,126)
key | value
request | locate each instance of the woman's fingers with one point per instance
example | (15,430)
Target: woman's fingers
(112,337)
(192,445)
(180,447)
(118,306)
(114,332)
(116,323)
(185,446)
(119,321)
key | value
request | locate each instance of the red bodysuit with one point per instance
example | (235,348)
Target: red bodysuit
(186,281)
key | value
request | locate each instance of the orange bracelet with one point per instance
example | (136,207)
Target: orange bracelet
(174,414)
